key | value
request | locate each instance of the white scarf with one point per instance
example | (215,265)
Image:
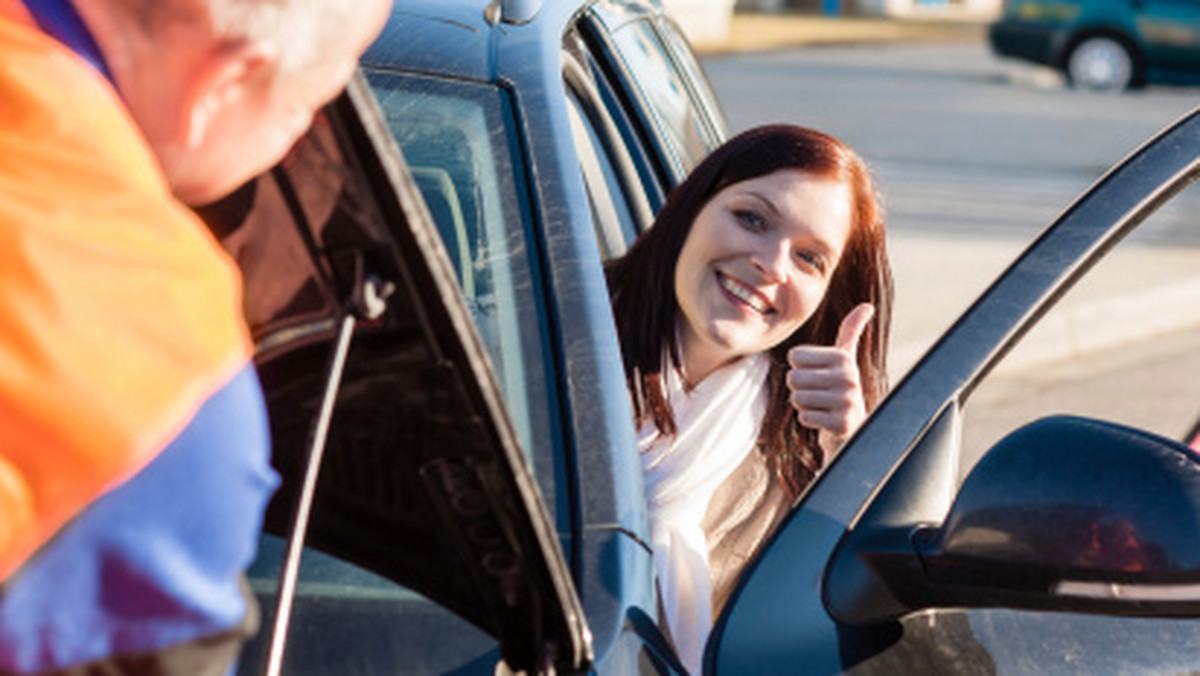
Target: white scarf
(717,426)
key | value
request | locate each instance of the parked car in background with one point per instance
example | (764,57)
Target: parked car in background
(1104,44)
(461,492)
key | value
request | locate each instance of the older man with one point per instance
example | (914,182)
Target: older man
(133,442)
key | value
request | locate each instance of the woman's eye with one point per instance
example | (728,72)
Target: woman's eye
(750,220)
(811,259)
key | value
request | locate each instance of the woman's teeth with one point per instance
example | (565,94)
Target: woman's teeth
(746,295)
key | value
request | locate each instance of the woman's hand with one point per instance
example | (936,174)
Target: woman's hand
(826,390)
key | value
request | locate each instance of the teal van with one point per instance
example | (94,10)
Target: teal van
(1104,44)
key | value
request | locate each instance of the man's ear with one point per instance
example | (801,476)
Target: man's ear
(229,76)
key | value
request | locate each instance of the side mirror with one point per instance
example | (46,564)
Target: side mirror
(1064,514)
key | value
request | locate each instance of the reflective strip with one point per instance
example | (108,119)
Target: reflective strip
(155,562)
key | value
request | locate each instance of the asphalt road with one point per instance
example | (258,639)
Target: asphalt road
(943,106)
(958,138)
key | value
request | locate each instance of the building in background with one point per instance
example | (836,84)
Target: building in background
(702,21)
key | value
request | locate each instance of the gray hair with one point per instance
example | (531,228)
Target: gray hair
(298,28)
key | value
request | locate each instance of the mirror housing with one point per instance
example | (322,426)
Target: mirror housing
(1063,514)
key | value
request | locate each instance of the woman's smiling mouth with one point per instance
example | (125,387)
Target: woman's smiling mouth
(748,296)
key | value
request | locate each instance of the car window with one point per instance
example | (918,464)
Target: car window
(658,82)
(696,78)
(612,129)
(1120,346)
(611,213)
(454,136)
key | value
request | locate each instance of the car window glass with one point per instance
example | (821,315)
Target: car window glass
(1123,345)
(691,68)
(454,136)
(662,87)
(612,129)
(611,216)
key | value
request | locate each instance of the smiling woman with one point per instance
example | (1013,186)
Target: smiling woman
(766,271)
(756,265)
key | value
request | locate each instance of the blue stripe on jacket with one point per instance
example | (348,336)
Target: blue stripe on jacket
(157,560)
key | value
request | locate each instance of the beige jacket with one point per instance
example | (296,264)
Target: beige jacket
(744,510)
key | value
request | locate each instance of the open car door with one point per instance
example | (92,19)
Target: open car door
(1071,547)
(408,533)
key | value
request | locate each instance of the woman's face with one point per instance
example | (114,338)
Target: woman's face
(756,264)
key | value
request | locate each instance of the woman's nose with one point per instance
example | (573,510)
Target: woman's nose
(773,259)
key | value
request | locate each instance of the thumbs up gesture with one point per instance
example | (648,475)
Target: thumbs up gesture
(826,390)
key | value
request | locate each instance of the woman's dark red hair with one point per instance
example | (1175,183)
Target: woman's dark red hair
(642,285)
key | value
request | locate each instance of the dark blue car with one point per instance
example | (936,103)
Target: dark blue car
(461,492)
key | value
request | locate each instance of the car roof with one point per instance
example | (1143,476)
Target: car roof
(456,38)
